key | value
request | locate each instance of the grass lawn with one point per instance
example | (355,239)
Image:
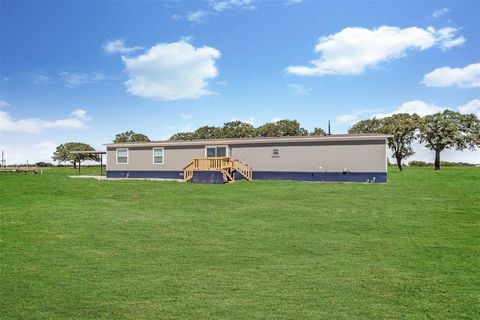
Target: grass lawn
(87,249)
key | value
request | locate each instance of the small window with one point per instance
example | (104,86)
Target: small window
(158,156)
(275,153)
(216,152)
(221,151)
(211,152)
(122,156)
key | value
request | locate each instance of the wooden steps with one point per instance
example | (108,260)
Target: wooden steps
(226,165)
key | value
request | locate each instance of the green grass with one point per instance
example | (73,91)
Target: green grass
(86,249)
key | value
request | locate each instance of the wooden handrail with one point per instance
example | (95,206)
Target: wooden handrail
(224,164)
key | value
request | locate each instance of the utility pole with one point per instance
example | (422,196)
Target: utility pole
(2,164)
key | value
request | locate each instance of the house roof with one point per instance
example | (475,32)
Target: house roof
(260,140)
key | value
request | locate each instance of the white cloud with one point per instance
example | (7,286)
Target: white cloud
(249,120)
(440,12)
(177,17)
(417,106)
(74,79)
(38,78)
(172,71)
(33,153)
(77,120)
(467,77)
(197,16)
(347,118)
(354,49)
(185,116)
(292,2)
(299,89)
(4,104)
(471,107)
(118,46)
(220,6)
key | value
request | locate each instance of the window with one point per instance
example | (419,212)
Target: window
(275,153)
(158,156)
(122,156)
(216,151)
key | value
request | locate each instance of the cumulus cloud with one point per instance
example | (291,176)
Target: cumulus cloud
(354,49)
(299,89)
(118,46)
(471,107)
(440,12)
(220,6)
(77,120)
(417,106)
(197,16)
(172,71)
(348,118)
(467,77)
(30,153)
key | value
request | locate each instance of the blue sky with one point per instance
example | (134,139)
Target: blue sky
(84,71)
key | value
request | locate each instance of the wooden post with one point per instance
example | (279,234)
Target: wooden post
(101,163)
(78,157)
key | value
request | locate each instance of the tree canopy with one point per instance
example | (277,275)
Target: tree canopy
(130,136)
(281,128)
(237,129)
(62,152)
(208,132)
(448,130)
(318,132)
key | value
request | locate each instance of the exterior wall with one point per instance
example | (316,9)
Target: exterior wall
(302,160)
(141,158)
(364,156)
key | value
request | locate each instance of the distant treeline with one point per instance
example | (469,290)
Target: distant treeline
(415,163)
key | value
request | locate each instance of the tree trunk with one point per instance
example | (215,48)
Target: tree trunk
(399,162)
(437,160)
(74,164)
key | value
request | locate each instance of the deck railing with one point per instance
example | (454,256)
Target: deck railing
(212,163)
(224,164)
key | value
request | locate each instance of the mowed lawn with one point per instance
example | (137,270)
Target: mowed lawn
(87,249)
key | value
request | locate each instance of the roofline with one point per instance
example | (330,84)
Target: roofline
(261,140)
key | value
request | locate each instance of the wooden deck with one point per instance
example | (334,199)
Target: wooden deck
(226,165)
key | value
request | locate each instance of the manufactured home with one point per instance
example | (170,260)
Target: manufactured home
(360,158)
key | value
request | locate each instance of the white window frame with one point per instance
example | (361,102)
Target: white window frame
(227,150)
(153,155)
(116,155)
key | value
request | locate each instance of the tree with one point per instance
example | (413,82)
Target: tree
(450,129)
(366,126)
(237,129)
(130,136)
(401,126)
(281,128)
(318,132)
(208,132)
(63,153)
(183,136)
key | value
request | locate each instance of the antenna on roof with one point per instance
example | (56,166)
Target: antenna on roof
(329,132)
